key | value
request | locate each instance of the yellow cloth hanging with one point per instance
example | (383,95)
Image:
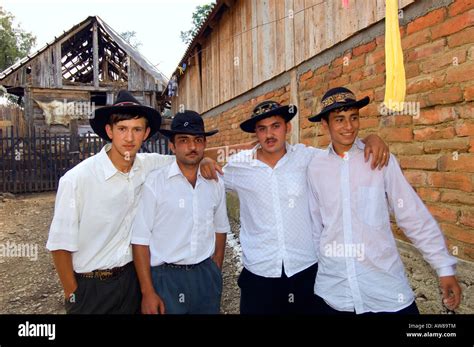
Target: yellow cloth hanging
(395,83)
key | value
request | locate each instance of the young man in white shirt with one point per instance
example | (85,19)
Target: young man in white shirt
(179,232)
(360,270)
(89,237)
(279,256)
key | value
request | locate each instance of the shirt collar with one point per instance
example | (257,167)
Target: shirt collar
(109,167)
(357,145)
(289,149)
(175,170)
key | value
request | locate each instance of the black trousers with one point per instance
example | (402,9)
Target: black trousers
(282,295)
(411,309)
(117,295)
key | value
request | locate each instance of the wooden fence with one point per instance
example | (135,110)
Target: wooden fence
(36,161)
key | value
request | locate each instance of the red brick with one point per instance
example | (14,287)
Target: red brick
(460,6)
(454,196)
(376,56)
(354,63)
(465,111)
(341,81)
(415,178)
(429,194)
(452,145)
(443,213)
(467,218)
(471,145)
(424,162)
(459,181)
(426,21)
(321,70)
(371,83)
(453,25)
(368,122)
(357,75)
(433,133)
(364,48)
(396,134)
(445,96)
(457,233)
(435,115)
(469,93)
(416,39)
(306,75)
(460,73)
(412,70)
(456,162)
(461,38)
(449,58)
(426,83)
(464,128)
(426,50)
(370,110)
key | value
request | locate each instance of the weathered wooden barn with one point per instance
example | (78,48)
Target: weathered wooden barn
(82,68)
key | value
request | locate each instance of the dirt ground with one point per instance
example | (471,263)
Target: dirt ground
(29,284)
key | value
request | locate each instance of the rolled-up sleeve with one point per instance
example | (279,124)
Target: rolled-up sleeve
(416,221)
(64,230)
(145,218)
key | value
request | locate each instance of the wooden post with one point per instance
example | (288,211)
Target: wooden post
(74,144)
(295,122)
(95,54)
(58,66)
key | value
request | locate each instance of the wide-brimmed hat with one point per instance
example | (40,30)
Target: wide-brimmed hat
(338,97)
(267,109)
(125,104)
(187,122)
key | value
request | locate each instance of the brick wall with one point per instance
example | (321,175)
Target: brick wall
(436,147)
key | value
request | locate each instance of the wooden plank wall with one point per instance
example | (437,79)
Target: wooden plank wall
(256,40)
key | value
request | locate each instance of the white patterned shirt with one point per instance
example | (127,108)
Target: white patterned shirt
(359,265)
(95,207)
(276,228)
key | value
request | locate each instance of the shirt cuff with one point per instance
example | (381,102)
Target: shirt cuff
(224,230)
(446,271)
(140,241)
(56,246)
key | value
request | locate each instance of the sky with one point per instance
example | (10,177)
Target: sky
(157,23)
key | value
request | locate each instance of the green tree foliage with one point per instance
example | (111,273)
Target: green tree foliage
(130,37)
(15,43)
(199,15)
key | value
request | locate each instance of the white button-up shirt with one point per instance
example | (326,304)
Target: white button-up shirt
(359,265)
(276,226)
(178,222)
(94,210)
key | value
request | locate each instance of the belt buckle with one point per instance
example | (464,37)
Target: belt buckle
(104,274)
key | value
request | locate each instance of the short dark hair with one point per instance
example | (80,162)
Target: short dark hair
(339,109)
(118,117)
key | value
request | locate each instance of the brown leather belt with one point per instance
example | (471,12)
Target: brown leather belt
(104,274)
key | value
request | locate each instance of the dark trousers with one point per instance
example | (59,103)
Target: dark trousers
(194,289)
(116,295)
(282,295)
(412,309)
